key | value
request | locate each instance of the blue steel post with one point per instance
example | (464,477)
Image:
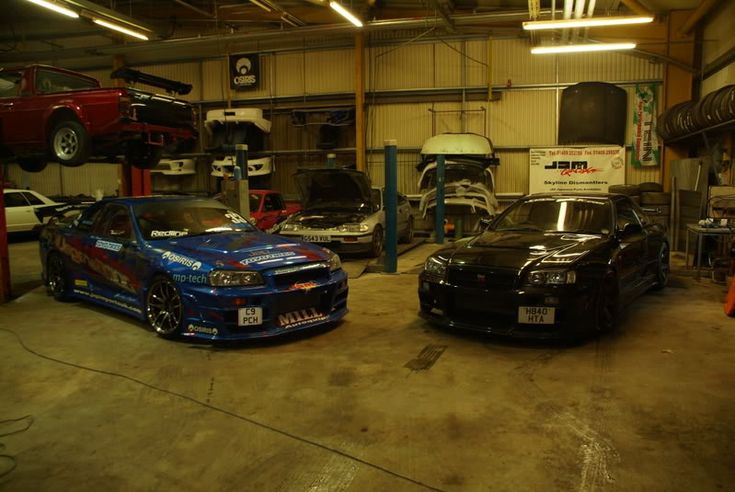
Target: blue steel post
(439,209)
(331,161)
(390,265)
(241,159)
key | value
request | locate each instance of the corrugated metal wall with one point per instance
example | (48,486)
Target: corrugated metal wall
(521,112)
(718,40)
(68,181)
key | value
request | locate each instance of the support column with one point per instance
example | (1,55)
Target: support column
(360,147)
(439,208)
(4,253)
(391,207)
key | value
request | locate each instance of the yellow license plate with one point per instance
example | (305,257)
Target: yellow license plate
(536,315)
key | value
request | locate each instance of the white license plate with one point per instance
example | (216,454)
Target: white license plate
(536,315)
(249,316)
(317,239)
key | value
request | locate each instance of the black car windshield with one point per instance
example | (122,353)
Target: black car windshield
(575,215)
(165,220)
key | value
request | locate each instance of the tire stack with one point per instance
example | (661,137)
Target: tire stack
(654,198)
(691,116)
(632,190)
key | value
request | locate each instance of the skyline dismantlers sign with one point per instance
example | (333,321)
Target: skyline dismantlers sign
(244,71)
(559,169)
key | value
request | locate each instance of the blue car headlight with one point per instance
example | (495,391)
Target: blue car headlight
(334,262)
(551,277)
(229,278)
(435,266)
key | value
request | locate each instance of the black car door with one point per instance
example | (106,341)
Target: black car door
(632,248)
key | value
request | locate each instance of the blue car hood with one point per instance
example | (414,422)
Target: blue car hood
(238,250)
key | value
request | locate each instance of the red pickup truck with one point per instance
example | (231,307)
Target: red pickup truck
(269,209)
(49,113)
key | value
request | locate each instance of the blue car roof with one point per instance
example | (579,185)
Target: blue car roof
(134,200)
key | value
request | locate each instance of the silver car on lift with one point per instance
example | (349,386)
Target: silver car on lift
(342,212)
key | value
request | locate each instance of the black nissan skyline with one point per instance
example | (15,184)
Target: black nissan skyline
(550,266)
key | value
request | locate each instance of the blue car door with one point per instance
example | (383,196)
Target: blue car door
(115,265)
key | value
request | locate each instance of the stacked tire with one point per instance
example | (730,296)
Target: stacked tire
(656,202)
(691,116)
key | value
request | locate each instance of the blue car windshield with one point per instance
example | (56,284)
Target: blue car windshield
(166,220)
(577,215)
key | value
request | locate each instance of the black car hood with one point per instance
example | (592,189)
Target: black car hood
(517,250)
(334,188)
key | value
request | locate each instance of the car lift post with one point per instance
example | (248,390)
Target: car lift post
(243,192)
(390,265)
(439,209)
(4,254)
(331,161)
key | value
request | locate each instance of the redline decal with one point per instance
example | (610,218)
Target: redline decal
(567,172)
(307,286)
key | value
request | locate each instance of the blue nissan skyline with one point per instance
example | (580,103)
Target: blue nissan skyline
(191,267)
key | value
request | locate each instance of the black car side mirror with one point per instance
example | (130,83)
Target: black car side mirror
(630,228)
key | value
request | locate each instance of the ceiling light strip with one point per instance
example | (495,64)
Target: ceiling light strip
(56,8)
(587,22)
(262,5)
(580,48)
(345,13)
(124,30)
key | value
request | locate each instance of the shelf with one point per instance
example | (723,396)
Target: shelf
(723,127)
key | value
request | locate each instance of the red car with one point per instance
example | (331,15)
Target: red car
(48,113)
(268,208)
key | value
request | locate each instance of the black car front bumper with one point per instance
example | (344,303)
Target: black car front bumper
(497,311)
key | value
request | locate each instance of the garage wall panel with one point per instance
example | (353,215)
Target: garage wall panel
(289,74)
(103,76)
(214,80)
(409,124)
(68,181)
(718,40)
(478,64)
(401,67)
(512,174)
(330,71)
(523,118)
(512,64)
(606,67)
(448,67)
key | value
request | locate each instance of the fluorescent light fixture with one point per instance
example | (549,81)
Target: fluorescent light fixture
(588,22)
(285,18)
(579,48)
(56,8)
(345,13)
(124,30)
(262,5)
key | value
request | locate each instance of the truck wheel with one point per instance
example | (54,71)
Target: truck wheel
(32,164)
(69,143)
(143,156)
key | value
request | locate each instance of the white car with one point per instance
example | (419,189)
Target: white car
(175,167)
(343,213)
(227,127)
(24,209)
(256,167)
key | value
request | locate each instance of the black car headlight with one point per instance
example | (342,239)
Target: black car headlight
(551,277)
(435,266)
(231,278)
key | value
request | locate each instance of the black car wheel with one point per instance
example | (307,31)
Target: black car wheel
(56,278)
(606,305)
(376,246)
(70,143)
(32,164)
(663,267)
(142,155)
(163,307)
(408,236)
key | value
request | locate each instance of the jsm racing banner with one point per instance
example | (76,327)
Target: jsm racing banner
(576,168)
(645,142)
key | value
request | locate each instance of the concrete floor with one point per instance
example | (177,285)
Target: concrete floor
(381,402)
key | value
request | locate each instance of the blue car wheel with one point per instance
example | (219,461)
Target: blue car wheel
(56,281)
(163,307)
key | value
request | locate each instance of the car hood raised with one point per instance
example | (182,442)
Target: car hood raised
(327,219)
(518,250)
(237,250)
(334,187)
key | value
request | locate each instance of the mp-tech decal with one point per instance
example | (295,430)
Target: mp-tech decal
(172,257)
(108,245)
(190,278)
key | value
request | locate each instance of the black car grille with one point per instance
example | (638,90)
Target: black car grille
(486,279)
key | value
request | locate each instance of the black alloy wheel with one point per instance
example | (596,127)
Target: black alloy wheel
(56,279)
(164,309)
(70,143)
(606,304)
(376,246)
(663,267)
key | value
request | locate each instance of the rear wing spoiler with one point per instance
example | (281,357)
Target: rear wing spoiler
(131,76)
(51,211)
